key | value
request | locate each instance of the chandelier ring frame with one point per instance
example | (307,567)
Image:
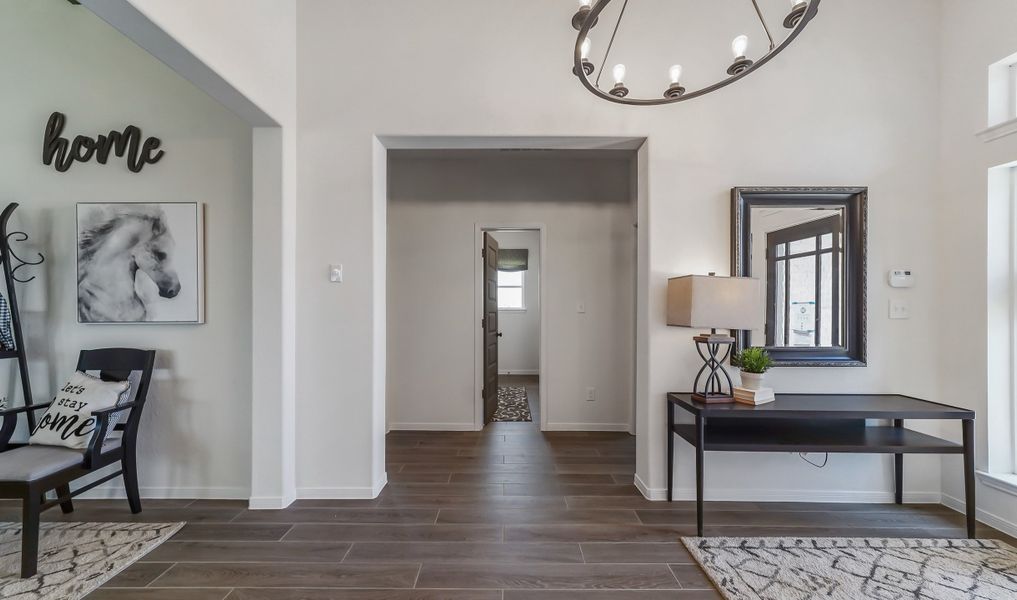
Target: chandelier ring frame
(583,72)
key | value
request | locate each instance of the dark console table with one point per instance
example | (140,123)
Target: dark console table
(819,423)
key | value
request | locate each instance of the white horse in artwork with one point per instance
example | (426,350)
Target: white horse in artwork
(115,245)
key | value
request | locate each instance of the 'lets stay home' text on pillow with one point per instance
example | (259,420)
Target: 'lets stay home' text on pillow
(69,421)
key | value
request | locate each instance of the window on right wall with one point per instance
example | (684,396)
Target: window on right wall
(1002,94)
(1001,263)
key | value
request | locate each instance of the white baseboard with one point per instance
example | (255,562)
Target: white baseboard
(655,494)
(269,502)
(995,521)
(587,427)
(116,492)
(343,493)
(520,372)
(431,427)
(835,496)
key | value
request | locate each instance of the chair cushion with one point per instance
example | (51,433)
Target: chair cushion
(29,463)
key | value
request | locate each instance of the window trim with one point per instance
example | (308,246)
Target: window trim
(522,293)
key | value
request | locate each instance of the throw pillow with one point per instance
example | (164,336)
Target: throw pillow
(69,421)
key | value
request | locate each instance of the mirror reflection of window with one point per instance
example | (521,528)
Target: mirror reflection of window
(801,252)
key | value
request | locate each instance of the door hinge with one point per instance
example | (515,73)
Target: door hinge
(483,323)
(483,253)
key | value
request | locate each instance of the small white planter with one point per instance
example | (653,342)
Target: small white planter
(753,381)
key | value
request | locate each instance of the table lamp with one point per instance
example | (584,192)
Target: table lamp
(716,303)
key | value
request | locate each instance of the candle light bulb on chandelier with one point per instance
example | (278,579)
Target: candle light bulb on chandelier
(739,45)
(741,64)
(798,9)
(675,90)
(619,88)
(675,72)
(584,64)
(619,74)
(579,19)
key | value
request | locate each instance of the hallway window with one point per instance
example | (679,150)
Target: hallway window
(510,290)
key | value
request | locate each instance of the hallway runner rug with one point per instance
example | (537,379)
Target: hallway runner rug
(75,558)
(856,568)
(512,404)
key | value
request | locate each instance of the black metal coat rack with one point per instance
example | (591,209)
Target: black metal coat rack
(12,263)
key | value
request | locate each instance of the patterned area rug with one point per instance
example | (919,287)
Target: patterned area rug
(857,568)
(75,558)
(512,404)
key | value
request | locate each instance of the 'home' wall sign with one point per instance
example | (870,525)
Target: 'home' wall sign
(61,153)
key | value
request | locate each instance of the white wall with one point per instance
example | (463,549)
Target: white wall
(243,54)
(435,206)
(194,439)
(847,104)
(974,35)
(519,346)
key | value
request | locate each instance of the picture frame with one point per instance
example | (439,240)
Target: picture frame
(140,262)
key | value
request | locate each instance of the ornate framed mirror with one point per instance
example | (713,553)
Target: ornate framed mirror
(807,245)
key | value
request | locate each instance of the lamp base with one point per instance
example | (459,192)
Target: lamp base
(713,384)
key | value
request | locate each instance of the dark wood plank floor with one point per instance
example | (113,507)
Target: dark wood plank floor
(504,514)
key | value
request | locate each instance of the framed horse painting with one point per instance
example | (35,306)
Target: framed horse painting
(141,262)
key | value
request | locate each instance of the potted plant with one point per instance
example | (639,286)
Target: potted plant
(754,363)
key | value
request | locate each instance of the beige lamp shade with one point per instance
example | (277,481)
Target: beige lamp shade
(703,301)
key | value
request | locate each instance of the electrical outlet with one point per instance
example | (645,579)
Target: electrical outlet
(335,273)
(591,394)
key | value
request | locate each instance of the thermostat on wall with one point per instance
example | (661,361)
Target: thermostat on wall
(901,278)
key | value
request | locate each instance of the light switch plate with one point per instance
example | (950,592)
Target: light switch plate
(581,307)
(335,273)
(900,309)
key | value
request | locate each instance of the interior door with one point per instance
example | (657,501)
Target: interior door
(490,256)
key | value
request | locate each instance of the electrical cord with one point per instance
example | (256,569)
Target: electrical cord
(826,459)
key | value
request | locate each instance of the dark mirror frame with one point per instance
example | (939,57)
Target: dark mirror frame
(853,201)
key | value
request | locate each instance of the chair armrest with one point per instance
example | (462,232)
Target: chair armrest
(20,409)
(10,421)
(102,416)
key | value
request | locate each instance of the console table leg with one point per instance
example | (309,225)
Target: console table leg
(898,469)
(670,452)
(968,432)
(700,435)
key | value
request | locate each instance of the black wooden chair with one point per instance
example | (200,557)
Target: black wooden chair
(28,472)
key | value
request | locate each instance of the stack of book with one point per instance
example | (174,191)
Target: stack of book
(755,397)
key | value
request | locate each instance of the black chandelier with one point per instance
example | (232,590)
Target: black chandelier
(802,11)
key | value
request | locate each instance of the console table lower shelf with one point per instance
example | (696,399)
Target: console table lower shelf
(834,423)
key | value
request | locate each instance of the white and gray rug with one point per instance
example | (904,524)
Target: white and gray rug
(75,558)
(858,568)
(512,404)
